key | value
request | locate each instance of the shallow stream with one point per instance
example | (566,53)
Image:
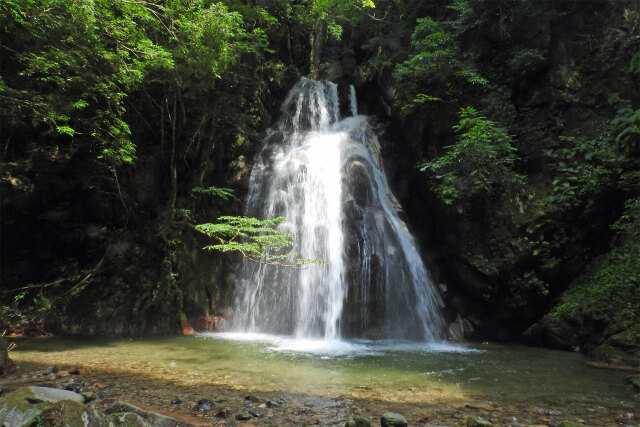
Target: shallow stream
(443,378)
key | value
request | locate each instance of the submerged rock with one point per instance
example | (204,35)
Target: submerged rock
(124,412)
(393,419)
(204,405)
(478,422)
(358,422)
(243,416)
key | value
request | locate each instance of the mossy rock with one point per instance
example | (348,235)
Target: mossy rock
(22,406)
(127,414)
(393,419)
(358,422)
(69,413)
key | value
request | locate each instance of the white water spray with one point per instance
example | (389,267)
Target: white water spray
(324,176)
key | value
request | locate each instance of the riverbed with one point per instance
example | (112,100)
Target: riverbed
(326,382)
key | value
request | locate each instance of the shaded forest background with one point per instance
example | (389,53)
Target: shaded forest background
(510,131)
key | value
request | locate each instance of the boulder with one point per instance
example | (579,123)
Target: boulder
(393,419)
(21,406)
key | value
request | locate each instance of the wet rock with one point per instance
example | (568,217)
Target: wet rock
(243,416)
(547,411)
(224,413)
(393,419)
(121,410)
(70,413)
(51,370)
(273,404)
(176,401)
(126,419)
(89,396)
(23,405)
(358,422)
(477,422)
(253,399)
(256,413)
(204,405)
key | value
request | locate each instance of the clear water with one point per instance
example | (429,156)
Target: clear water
(391,371)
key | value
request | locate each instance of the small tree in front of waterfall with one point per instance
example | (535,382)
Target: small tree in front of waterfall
(256,240)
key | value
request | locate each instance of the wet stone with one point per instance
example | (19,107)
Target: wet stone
(273,404)
(243,416)
(393,419)
(224,413)
(204,405)
(256,413)
(88,396)
(358,422)
(253,399)
(478,422)
(51,370)
(176,401)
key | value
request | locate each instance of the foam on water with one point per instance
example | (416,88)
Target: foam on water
(337,347)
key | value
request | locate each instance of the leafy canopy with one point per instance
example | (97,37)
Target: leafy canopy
(481,161)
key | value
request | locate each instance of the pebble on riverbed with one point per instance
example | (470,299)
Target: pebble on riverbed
(243,416)
(204,405)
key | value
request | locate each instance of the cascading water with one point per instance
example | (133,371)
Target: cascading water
(324,176)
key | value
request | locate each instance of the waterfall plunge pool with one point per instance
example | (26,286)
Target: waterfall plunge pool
(442,379)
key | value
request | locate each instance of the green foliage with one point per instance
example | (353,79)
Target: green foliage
(582,167)
(436,64)
(330,12)
(626,124)
(84,58)
(256,240)
(223,193)
(628,224)
(481,161)
(611,288)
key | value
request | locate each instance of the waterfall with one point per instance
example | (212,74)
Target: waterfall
(324,176)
